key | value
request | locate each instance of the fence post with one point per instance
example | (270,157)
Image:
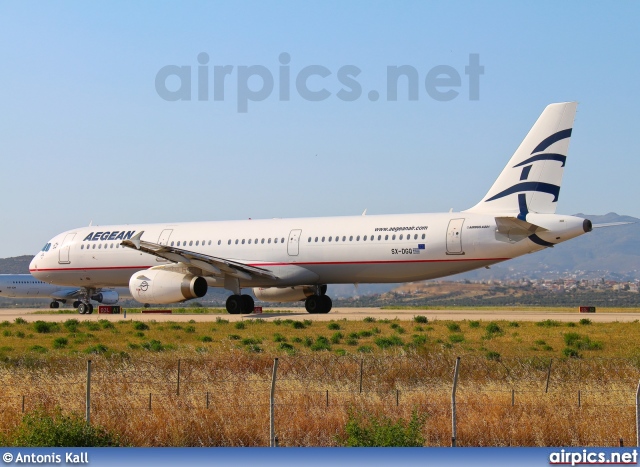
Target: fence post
(327,398)
(638,415)
(149,401)
(579,399)
(453,404)
(23,404)
(513,397)
(207,399)
(178,390)
(397,397)
(361,369)
(88,398)
(272,437)
(546,389)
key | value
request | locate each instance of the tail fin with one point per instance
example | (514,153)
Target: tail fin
(531,180)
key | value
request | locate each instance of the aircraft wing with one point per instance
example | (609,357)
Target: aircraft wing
(210,265)
(65,294)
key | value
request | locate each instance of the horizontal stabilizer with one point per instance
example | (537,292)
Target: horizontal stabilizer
(517,229)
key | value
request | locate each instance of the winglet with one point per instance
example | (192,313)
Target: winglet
(135,240)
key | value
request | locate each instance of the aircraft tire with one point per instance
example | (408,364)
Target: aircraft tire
(54,305)
(234,304)
(82,308)
(247,303)
(90,311)
(313,304)
(326,304)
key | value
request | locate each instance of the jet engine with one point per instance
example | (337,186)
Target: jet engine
(285,294)
(106,297)
(161,287)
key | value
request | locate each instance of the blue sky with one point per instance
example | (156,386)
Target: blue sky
(85,136)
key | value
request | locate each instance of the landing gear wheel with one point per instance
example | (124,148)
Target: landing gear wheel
(90,308)
(326,302)
(318,304)
(234,304)
(77,303)
(82,308)
(247,303)
(54,305)
(313,304)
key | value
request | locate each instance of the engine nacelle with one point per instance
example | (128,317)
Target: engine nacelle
(161,287)
(106,297)
(285,294)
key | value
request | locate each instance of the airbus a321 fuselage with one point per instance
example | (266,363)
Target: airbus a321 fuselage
(295,259)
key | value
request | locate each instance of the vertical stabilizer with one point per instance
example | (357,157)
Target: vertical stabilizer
(531,180)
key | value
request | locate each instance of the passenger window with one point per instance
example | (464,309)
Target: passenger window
(344,238)
(262,241)
(236,241)
(82,247)
(249,241)
(99,246)
(386,237)
(282,240)
(191,243)
(322,239)
(269,240)
(309,241)
(243,241)
(423,236)
(400,236)
(275,240)
(229,242)
(393,237)
(316,240)
(351,238)
(197,242)
(329,238)
(365,238)
(219,242)
(358,238)
(111,246)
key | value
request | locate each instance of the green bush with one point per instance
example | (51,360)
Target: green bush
(453,327)
(20,321)
(97,349)
(60,342)
(548,323)
(585,321)
(334,326)
(298,325)
(321,343)
(206,339)
(336,337)
(240,325)
(420,319)
(44,327)
(277,337)
(365,349)
(190,329)
(140,326)
(38,349)
(492,355)
(571,353)
(419,339)
(493,328)
(71,325)
(456,338)
(474,324)
(368,319)
(41,429)
(153,346)
(363,430)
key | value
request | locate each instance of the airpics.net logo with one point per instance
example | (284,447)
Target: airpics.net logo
(313,83)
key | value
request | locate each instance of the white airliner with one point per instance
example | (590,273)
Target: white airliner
(295,259)
(27,286)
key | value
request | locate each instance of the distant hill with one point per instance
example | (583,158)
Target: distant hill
(15,265)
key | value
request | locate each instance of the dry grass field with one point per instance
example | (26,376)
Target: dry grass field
(207,384)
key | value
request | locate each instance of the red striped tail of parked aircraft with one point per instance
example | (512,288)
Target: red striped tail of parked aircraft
(295,259)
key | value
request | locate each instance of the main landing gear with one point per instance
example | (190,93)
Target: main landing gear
(83,308)
(237,304)
(54,305)
(318,304)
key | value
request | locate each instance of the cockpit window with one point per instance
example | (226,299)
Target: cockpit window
(46,247)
